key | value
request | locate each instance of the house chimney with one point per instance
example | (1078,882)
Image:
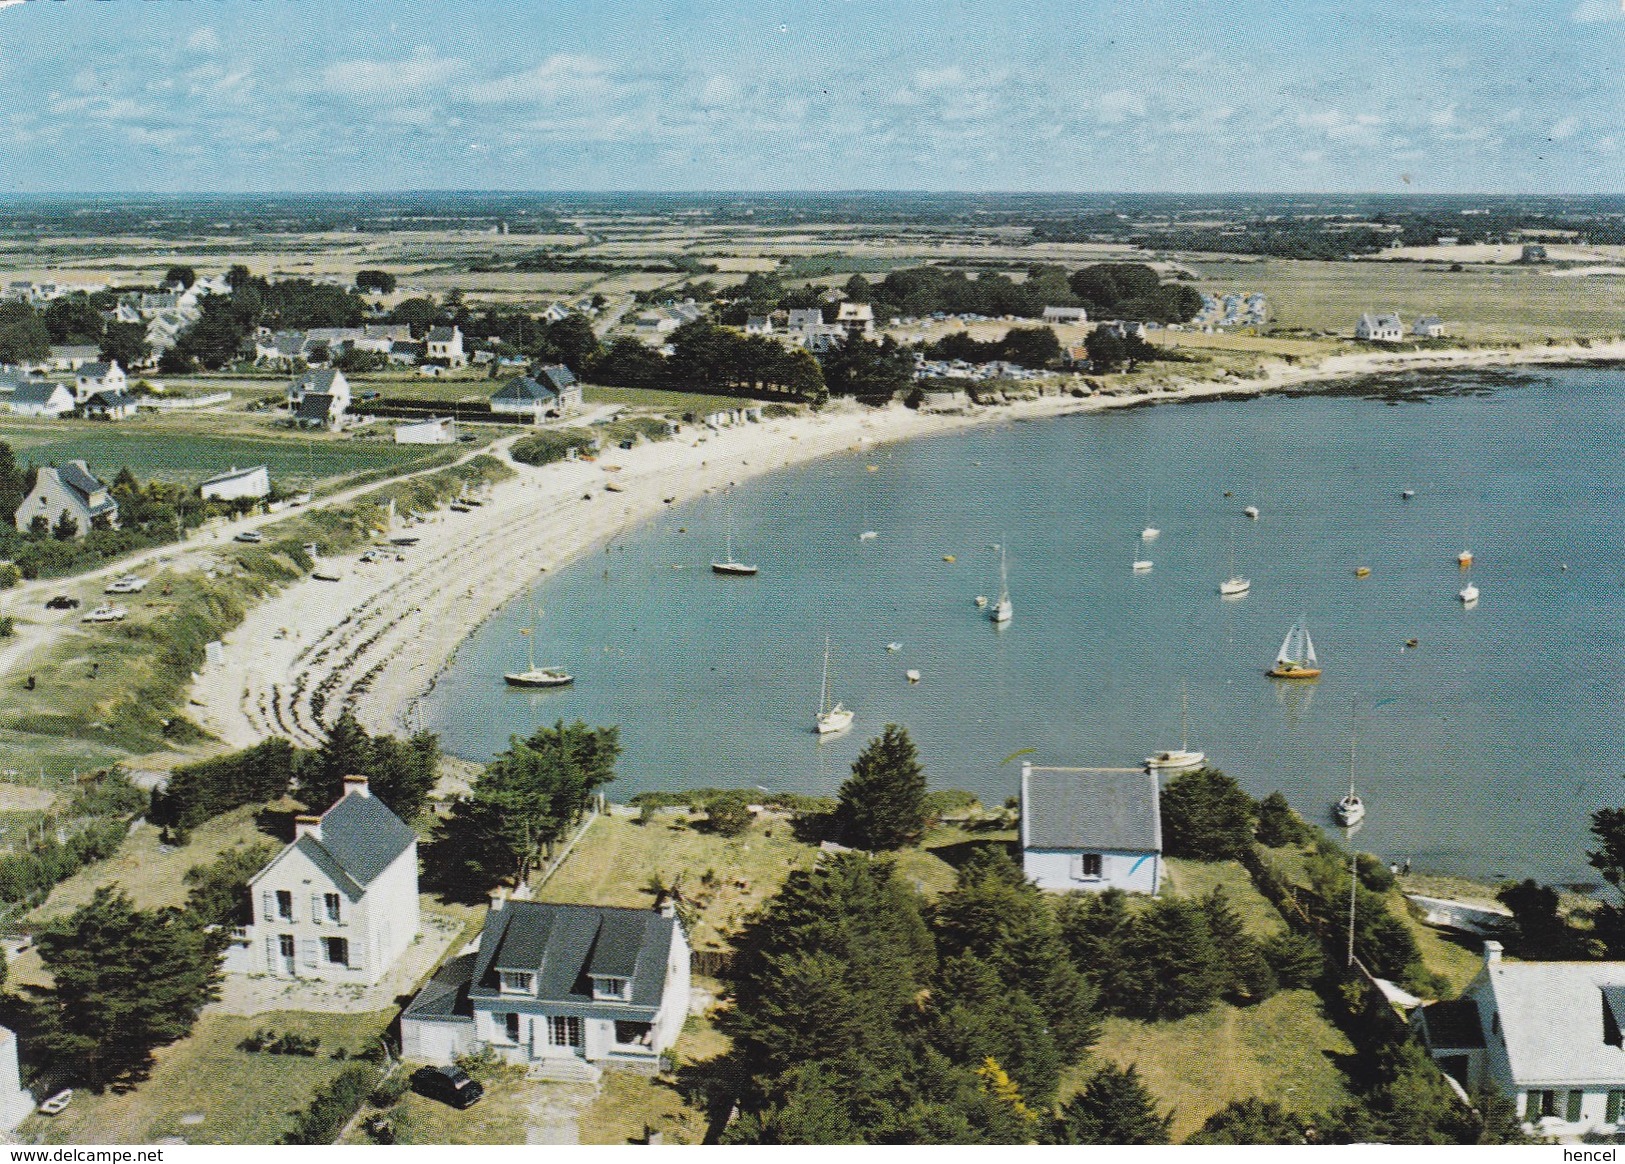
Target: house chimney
(1492,952)
(307,826)
(356,786)
(499,898)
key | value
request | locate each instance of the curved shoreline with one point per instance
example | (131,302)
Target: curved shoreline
(378,639)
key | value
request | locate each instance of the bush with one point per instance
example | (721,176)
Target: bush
(8,626)
(945,801)
(388,1093)
(1278,825)
(1296,959)
(196,792)
(728,813)
(1207,816)
(321,1122)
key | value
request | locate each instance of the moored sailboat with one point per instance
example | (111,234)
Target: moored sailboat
(1003,611)
(834,718)
(1174,760)
(532,675)
(1296,658)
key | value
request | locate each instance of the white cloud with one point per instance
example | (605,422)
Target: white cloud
(1596,11)
(719,90)
(203,40)
(1566,128)
(561,75)
(381,79)
(1340,126)
(952,77)
(1118,106)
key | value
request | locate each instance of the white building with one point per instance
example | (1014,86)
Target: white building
(39,398)
(341,902)
(562,989)
(1550,1035)
(98,377)
(15,1102)
(1384,327)
(236,483)
(70,490)
(858,319)
(1065,315)
(438,431)
(1428,327)
(1091,828)
(445,345)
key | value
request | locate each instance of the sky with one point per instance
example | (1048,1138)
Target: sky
(1447,96)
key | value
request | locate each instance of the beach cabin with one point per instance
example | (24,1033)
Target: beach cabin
(437,430)
(564,990)
(1549,1035)
(1091,829)
(235,484)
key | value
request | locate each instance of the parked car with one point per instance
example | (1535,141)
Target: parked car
(62,602)
(251,536)
(129,584)
(105,613)
(450,1085)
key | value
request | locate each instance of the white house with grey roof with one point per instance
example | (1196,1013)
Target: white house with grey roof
(39,398)
(1384,327)
(1549,1035)
(95,378)
(340,903)
(552,391)
(445,345)
(236,484)
(1091,828)
(561,989)
(71,490)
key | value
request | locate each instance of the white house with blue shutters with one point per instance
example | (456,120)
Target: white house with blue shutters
(1091,829)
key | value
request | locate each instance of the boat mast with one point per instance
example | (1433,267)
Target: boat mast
(823,694)
(1354,860)
(1184,718)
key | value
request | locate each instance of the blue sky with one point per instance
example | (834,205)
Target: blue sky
(234,95)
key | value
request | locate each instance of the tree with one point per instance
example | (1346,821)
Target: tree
(1296,959)
(12,490)
(728,813)
(1206,815)
(125,343)
(380,282)
(575,342)
(1105,349)
(66,527)
(1113,1108)
(1031,347)
(882,804)
(185,276)
(39,525)
(1278,825)
(218,893)
(126,981)
(73,319)
(1171,966)
(23,336)
(1542,933)
(401,773)
(1251,1121)
(1250,978)
(869,370)
(218,335)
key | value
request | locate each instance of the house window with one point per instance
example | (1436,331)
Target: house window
(284,904)
(338,951)
(331,901)
(634,1034)
(609,988)
(564,1031)
(1616,1105)
(511,1026)
(1086,867)
(1540,1104)
(516,982)
(284,945)
(1572,1113)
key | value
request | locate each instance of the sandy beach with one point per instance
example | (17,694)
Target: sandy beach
(377,639)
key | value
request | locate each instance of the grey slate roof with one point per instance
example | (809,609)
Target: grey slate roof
(33,392)
(363,837)
(232,475)
(315,406)
(94,371)
(109,400)
(557,377)
(1090,809)
(525,390)
(445,996)
(440,335)
(315,380)
(566,945)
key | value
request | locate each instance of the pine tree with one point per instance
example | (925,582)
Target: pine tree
(1251,1121)
(1250,977)
(1206,815)
(882,804)
(1171,966)
(1113,1108)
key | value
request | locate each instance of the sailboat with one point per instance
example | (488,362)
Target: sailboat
(1296,658)
(1002,610)
(1173,761)
(729,564)
(1468,593)
(1350,810)
(830,719)
(1150,533)
(534,676)
(1234,583)
(1141,565)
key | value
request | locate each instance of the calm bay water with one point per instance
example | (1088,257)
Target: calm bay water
(1481,751)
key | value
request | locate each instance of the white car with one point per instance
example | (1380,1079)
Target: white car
(105,613)
(57,1104)
(129,584)
(251,536)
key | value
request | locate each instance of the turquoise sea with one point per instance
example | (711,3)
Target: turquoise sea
(1481,751)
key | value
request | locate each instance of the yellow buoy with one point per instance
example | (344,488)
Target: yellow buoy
(1362,571)
(949,558)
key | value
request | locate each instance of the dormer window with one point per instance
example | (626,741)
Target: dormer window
(517,982)
(612,989)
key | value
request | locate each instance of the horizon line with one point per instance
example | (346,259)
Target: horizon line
(803,193)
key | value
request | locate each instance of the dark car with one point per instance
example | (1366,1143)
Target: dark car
(450,1085)
(62,602)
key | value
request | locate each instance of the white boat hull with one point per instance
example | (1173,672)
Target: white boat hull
(540,677)
(1150,533)
(837,719)
(1002,612)
(1468,594)
(1174,761)
(1231,587)
(1142,566)
(1349,811)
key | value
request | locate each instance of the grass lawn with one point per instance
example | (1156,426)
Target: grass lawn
(1440,953)
(501,1117)
(664,401)
(1283,1049)
(631,1104)
(242,1098)
(1196,879)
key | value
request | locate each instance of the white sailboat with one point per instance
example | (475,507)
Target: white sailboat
(1296,658)
(830,719)
(1234,584)
(1002,611)
(730,564)
(1140,565)
(1350,810)
(1468,593)
(534,676)
(1174,760)
(1150,533)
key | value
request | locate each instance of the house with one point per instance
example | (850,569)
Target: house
(328,382)
(382,337)
(759,325)
(1549,1035)
(552,391)
(445,345)
(1384,327)
(1428,327)
(341,902)
(39,398)
(318,410)
(109,406)
(805,319)
(562,989)
(16,1103)
(655,323)
(1091,828)
(98,377)
(70,489)
(556,312)
(405,352)
(856,318)
(235,484)
(437,431)
(1066,315)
